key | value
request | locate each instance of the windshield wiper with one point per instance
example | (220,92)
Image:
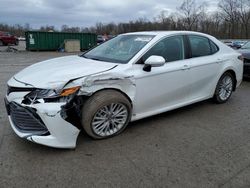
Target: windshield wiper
(93,58)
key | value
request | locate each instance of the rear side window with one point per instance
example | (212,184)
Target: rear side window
(201,46)
(214,47)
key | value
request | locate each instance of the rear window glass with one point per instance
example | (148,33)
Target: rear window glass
(214,47)
(200,46)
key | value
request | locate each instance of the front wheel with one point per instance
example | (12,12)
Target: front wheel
(224,88)
(1,43)
(106,114)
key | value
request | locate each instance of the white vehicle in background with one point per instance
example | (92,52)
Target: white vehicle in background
(21,38)
(127,78)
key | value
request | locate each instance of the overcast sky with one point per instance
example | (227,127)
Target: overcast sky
(83,13)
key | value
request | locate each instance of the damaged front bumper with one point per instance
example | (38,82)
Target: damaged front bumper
(41,123)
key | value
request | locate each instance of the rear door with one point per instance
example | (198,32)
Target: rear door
(204,66)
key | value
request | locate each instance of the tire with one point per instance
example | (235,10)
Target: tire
(1,43)
(224,88)
(99,120)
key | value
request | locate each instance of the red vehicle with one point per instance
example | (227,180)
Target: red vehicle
(6,38)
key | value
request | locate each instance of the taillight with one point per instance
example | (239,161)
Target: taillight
(241,57)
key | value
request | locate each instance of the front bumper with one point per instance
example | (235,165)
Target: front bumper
(41,123)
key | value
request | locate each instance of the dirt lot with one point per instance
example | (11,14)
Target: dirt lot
(202,145)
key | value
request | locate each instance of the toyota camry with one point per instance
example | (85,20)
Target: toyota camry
(127,78)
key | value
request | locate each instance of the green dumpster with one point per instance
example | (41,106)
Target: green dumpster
(51,41)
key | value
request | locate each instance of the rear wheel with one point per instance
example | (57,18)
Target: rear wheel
(106,114)
(1,43)
(224,88)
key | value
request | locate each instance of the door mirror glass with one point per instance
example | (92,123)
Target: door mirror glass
(155,61)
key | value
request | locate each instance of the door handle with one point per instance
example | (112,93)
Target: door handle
(219,61)
(185,67)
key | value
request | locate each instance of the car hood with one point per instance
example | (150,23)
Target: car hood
(245,53)
(59,71)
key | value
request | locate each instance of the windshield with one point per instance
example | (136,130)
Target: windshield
(246,46)
(119,49)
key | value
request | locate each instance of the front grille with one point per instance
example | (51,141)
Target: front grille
(26,120)
(18,89)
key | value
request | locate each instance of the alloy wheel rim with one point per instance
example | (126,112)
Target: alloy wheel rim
(109,119)
(225,88)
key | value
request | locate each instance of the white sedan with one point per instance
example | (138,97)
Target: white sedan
(132,76)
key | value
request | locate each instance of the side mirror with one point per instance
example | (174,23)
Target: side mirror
(153,61)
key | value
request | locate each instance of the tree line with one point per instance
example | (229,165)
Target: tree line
(231,20)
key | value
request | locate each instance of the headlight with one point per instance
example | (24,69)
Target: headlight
(42,93)
(50,94)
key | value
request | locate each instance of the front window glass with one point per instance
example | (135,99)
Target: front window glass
(171,49)
(119,49)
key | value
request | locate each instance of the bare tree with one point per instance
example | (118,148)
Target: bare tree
(64,28)
(229,11)
(244,14)
(47,28)
(190,12)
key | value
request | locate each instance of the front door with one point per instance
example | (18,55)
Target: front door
(163,87)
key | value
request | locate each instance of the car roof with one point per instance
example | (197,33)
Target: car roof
(164,33)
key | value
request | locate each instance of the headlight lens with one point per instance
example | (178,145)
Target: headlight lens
(42,93)
(49,93)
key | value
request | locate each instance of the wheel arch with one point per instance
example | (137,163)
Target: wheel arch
(71,111)
(105,89)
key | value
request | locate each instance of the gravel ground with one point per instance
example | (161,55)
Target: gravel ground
(202,145)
